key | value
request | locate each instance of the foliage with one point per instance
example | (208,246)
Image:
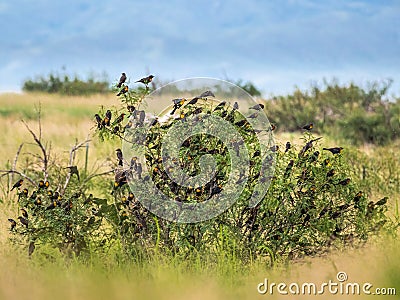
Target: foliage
(249,87)
(54,207)
(311,205)
(65,85)
(358,115)
(315,201)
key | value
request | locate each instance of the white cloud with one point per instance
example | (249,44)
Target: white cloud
(204,38)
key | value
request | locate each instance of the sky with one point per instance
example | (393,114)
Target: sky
(277,44)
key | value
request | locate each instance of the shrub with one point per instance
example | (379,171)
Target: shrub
(314,202)
(54,207)
(54,83)
(350,112)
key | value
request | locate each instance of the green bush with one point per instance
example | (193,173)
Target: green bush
(315,201)
(312,203)
(54,207)
(350,112)
(54,83)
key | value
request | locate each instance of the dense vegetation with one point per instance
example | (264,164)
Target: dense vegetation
(121,259)
(66,85)
(350,112)
(317,199)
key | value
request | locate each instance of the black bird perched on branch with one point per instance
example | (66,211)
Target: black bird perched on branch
(33,196)
(122,79)
(177,104)
(120,180)
(98,121)
(334,150)
(41,184)
(17,184)
(358,196)
(115,129)
(119,156)
(56,196)
(31,248)
(13,224)
(73,170)
(241,123)
(119,119)
(215,190)
(107,118)
(258,106)
(220,105)
(288,168)
(330,173)
(124,90)
(308,145)
(308,126)
(288,146)
(313,157)
(203,95)
(53,205)
(194,100)
(382,201)
(139,170)
(23,221)
(131,108)
(345,181)
(146,80)
(23,193)
(197,110)
(207,94)
(253,116)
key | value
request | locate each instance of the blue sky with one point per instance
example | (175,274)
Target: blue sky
(275,44)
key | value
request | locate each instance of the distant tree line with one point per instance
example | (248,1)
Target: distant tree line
(66,85)
(359,115)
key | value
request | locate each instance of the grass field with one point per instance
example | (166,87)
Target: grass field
(67,119)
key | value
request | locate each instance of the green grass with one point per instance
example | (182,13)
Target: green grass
(163,277)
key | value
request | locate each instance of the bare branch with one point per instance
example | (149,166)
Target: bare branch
(42,148)
(98,174)
(14,165)
(74,149)
(71,162)
(34,155)
(39,111)
(6,172)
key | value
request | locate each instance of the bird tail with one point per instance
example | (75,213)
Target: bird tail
(173,111)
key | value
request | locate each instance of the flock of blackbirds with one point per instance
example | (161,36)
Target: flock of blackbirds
(120,177)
